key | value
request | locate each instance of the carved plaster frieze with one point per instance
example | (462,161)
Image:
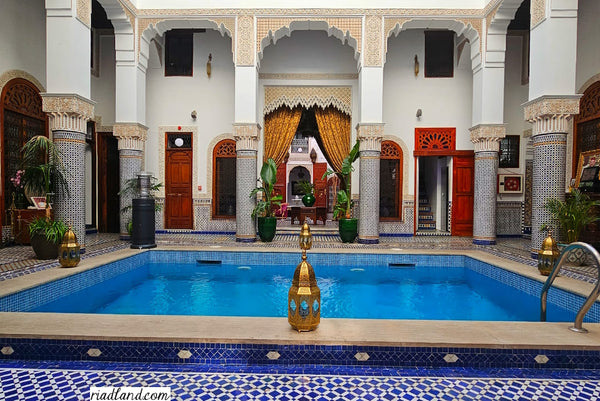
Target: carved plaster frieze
(244,35)
(67,112)
(12,74)
(307,76)
(487,137)
(348,25)
(373,38)
(84,12)
(246,136)
(538,12)
(339,97)
(439,12)
(551,114)
(130,135)
(370,136)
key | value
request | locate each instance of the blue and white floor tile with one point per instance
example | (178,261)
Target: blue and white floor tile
(53,384)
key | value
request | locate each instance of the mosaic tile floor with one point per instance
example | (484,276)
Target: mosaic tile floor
(67,383)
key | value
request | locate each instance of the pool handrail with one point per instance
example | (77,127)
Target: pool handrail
(577,325)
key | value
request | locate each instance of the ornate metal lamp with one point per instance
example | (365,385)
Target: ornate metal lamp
(69,251)
(548,255)
(304,297)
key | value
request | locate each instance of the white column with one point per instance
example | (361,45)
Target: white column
(67,101)
(552,102)
(245,127)
(370,129)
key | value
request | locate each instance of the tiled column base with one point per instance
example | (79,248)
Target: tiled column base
(246,182)
(484,206)
(549,161)
(368,224)
(130,162)
(71,209)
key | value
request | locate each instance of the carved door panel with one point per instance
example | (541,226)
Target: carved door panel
(178,183)
(463,179)
(320,185)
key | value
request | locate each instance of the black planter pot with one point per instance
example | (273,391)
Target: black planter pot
(308,200)
(348,229)
(43,248)
(266,228)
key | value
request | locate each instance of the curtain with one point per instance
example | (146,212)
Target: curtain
(280,128)
(334,129)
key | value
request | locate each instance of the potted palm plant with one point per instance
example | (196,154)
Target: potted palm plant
(309,196)
(45,175)
(348,226)
(571,216)
(264,211)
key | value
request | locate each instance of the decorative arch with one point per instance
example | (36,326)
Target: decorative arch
(21,118)
(586,125)
(391,177)
(470,29)
(347,29)
(405,169)
(224,179)
(307,97)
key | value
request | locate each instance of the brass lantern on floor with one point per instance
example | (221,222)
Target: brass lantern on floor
(304,297)
(69,250)
(548,255)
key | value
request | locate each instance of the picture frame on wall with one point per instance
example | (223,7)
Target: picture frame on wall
(588,170)
(510,183)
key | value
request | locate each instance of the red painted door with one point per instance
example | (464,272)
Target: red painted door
(320,185)
(178,188)
(463,179)
(279,187)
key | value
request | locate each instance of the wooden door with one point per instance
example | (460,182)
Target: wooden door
(178,186)
(108,183)
(279,187)
(463,181)
(320,185)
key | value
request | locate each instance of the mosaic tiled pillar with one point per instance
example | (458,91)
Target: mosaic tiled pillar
(550,117)
(486,140)
(246,137)
(68,117)
(370,136)
(131,139)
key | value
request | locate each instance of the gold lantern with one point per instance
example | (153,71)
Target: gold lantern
(68,252)
(304,297)
(548,255)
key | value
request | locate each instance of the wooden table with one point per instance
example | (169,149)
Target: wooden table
(22,218)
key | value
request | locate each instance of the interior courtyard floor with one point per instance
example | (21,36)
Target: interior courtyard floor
(72,380)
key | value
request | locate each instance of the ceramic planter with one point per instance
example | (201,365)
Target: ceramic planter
(348,229)
(43,248)
(266,228)
(308,200)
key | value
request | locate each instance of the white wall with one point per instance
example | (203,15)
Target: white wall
(23,33)
(588,48)
(445,102)
(170,101)
(515,95)
(103,86)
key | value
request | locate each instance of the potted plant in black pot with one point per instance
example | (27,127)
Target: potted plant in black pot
(45,175)
(348,226)
(571,216)
(309,193)
(264,211)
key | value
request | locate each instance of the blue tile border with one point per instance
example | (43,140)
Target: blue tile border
(305,356)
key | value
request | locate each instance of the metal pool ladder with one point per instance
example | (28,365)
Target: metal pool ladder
(590,299)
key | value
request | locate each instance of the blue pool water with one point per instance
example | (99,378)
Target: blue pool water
(383,291)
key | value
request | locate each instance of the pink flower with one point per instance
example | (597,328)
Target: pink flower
(17,179)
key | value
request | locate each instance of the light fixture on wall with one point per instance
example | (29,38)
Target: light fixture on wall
(209,65)
(194,114)
(419,113)
(416,65)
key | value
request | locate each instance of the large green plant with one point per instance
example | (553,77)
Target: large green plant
(44,169)
(53,230)
(572,214)
(344,203)
(268,177)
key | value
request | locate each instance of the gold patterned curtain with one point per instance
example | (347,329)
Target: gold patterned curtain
(334,128)
(280,127)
